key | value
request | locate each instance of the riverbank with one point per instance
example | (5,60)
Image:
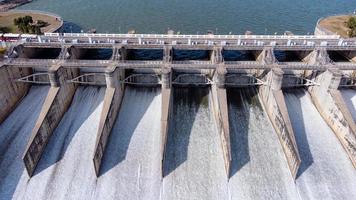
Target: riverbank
(55,22)
(7,5)
(334,25)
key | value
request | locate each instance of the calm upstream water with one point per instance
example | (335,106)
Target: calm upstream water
(187,16)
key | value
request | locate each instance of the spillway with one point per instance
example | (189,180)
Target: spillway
(350,100)
(131,167)
(15,131)
(194,166)
(325,171)
(65,170)
(259,168)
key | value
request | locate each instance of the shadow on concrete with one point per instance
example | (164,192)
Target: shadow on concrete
(293,101)
(134,105)
(15,132)
(186,103)
(347,95)
(239,102)
(85,102)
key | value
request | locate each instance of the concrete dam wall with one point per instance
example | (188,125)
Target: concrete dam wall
(178,133)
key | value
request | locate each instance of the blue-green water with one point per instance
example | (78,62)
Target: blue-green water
(195,16)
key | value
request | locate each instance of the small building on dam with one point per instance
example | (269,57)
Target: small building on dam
(148,116)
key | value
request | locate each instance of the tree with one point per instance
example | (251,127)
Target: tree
(351,23)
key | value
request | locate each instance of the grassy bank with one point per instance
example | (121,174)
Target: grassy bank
(336,24)
(7,21)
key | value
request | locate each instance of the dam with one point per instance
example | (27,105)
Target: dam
(142,116)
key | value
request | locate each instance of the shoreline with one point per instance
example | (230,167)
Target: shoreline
(8,5)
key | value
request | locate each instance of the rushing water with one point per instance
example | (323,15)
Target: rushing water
(15,132)
(325,171)
(188,16)
(259,168)
(131,167)
(350,100)
(194,166)
(66,170)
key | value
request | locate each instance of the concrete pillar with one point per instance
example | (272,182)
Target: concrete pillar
(216,55)
(57,102)
(167,54)
(166,110)
(273,101)
(112,101)
(318,57)
(221,115)
(267,57)
(166,78)
(119,53)
(11,92)
(331,106)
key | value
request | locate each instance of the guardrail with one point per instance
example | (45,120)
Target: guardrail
(159,36)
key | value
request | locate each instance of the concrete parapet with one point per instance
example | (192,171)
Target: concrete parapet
(273,100)
(221,115)
(56,104)
(333,109)
(166,110)
(11,92)
(112,102)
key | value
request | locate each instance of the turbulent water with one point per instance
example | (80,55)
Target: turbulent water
(131,167)
(187,16)
(194,166)
(350,100)
(325,171)
(66,170)
(259,168)
(15,132)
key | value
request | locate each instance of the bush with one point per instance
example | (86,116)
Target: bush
(25,25)
(351,23)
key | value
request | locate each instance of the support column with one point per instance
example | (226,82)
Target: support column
(220,112)
(267,56)
(216,55)
(112,101)
(330,104)
(167,54)
(166,110)
(275,106)
(11,92)
(318,56)
(57,102)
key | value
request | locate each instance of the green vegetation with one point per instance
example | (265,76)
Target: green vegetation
(26,25)
(351,24)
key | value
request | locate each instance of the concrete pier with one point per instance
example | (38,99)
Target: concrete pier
(221,115)
(273,100)
(112,102)
(330,104)
(56,104)
(11,92)
(166,110)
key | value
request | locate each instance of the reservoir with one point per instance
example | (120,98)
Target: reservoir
(192,17)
